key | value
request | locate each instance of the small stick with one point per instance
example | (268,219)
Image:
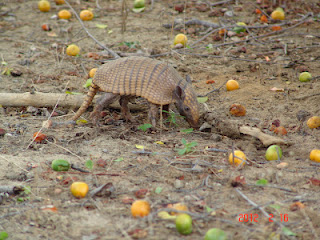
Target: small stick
(115,55)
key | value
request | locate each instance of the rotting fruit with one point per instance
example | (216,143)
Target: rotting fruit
(79,189)
(184,224)
(140,208)
(64,14)
(86,15)
(72,50)
(44,6)
(180,38)
(238,159)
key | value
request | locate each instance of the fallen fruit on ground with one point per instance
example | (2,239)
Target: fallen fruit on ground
(139,3)
(264,19)
(79,189)
(64,14)
(39,137)
(86,15)
(180,38)
(45,27)
(59,2)
(44,6)
(315,155)
(215,234)
(313,122)
(72,50)
(232,85)
(277,15)
(305,77)
(184,224)
(60,165)
(237,110)
(92,72)
(276,28)
(140,208)
(238,159)
(177,206)
(274,152)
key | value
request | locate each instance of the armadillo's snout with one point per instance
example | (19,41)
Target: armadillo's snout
(193,123)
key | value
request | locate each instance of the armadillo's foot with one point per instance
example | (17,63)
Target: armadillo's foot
(153,112)
(102,102)
(124,100)
(165,110)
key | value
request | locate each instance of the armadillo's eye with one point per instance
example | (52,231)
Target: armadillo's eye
(187,109)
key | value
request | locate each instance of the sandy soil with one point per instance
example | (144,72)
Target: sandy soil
(201,179)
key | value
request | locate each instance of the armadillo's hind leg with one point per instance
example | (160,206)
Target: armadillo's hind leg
(86,102)
(124,100)
(102,102)
(153,113)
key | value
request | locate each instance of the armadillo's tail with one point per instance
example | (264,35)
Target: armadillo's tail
(87,101)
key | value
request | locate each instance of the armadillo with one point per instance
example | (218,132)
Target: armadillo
(156,81)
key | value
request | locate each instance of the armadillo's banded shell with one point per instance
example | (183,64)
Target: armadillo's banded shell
(139,76)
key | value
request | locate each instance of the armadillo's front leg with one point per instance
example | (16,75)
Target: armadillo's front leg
(124,100)
(103,101)
(153,112)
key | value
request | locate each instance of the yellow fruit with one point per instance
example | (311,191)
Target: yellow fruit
(232,85)
(79,189)
(184,224)
(92,72)
(236,161)
(277,15)
(64,14)
(86,15)
(315,155)
(177,206)
(180,38)
(44,6)
(274,152)
(73,50)
(313,122)
(140,208)
(59,2)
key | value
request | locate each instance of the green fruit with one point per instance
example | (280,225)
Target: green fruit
(305,77)
(60,165)
(184,224)
(272,153)
(138,3)
(215,234)
(280,9)
(241,24)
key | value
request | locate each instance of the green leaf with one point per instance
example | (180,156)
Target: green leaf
(209,209)
(239,29)
(184,141)
(192,144)
(288,232)
(275,206)
(202,99)
(88,83)
(145,126)
(262,182)
(118,159)
(101,26)
(138,10)
(27,189)
(182,151)
(188,130)
(158,190)
(89,164)
(3,235)
(73,93)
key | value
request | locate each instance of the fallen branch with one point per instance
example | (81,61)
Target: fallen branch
(39,99)
(266,139)
(179,24)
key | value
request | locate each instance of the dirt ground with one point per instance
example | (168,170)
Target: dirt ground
(267,69)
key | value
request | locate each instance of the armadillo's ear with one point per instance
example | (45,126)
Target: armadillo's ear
(188,79)
(179,93)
